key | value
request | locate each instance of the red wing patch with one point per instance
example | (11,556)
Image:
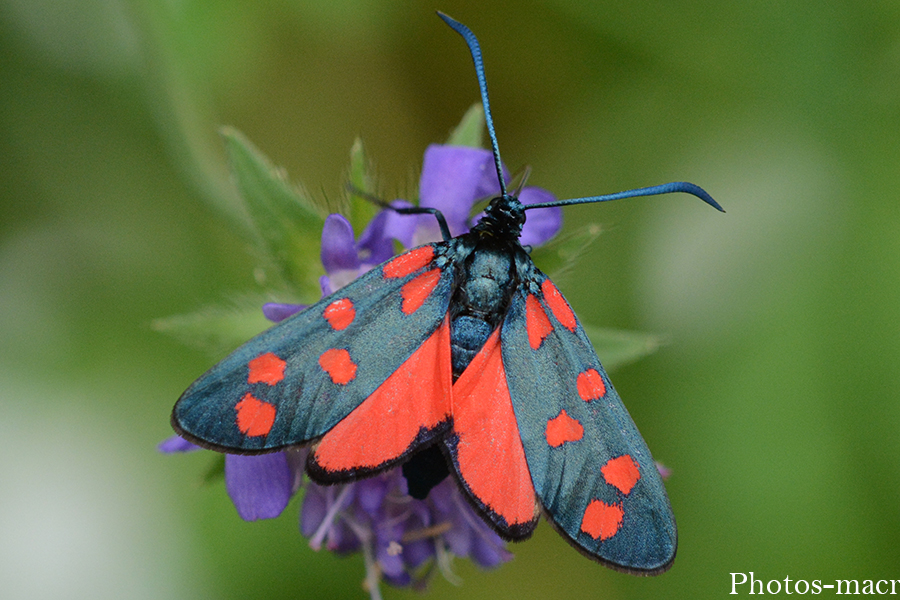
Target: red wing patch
(415,292)
(254,417)
(408,263)
(340,314)
(601,520)
(339,366)
(563,428)
(266,368)
(590,385)
(558,305)
(415,397)
(536,322)
(622,473)
(489,452)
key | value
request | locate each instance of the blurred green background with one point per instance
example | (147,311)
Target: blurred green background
(774,400)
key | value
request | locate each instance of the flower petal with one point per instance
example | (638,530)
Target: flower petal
(338,245)
(342,539)
(452,177)
(259,486)
(448,507)
(370,494)
(488,550)
(416,553)
(399,227)
(276,311)
(664,471)
(488,186)
(327,287)
(541,224)
(176,444)
(388,550)
(459,537)
(375,246)
(315,506)
(401,579)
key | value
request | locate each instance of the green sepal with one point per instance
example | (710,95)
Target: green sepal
(616,347)
(217,329)
(216,470)
(361,211)
(560,254)
(287,222)
(470,131)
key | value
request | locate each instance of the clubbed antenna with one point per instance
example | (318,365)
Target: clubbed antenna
(653,190)
(475,49)
(666,188)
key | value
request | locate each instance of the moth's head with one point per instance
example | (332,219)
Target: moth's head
(503,217)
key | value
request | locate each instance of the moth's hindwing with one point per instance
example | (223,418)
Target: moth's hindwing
(485,446)
(296,381)
(591,469)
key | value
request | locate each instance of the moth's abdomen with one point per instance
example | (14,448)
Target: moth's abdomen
(468,335)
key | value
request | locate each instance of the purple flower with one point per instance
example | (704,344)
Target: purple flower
(260,486)
(453,179)
(176,444)
(664,471)
(344,258)
(396,533)
(399,536)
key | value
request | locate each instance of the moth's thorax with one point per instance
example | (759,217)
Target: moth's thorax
(489,275)
(486,282)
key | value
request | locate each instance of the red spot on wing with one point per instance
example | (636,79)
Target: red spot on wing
(408,263)
(601,520)
(621,472)
(340,314)
(415,396)
(415,292)
(558,305)
(489,453)
(254,417)
(590,385)
(536,322)
(266,368)
(339,366)
(563,428)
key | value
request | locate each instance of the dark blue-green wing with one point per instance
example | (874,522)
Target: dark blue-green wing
(296,381)
(591,469)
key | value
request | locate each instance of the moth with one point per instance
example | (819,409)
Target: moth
(458,358)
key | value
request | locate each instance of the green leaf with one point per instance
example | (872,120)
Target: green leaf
(560,254)
(217,329)
(616,347)
(216,470)
(470,131)
(288,224)
(361,210)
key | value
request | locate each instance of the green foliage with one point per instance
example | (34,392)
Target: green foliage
(470,131)
(560,255)
(616,347)
(361,179)
(287,223)
(217,329)
(216,470)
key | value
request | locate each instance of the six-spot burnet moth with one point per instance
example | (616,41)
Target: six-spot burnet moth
(456,358)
